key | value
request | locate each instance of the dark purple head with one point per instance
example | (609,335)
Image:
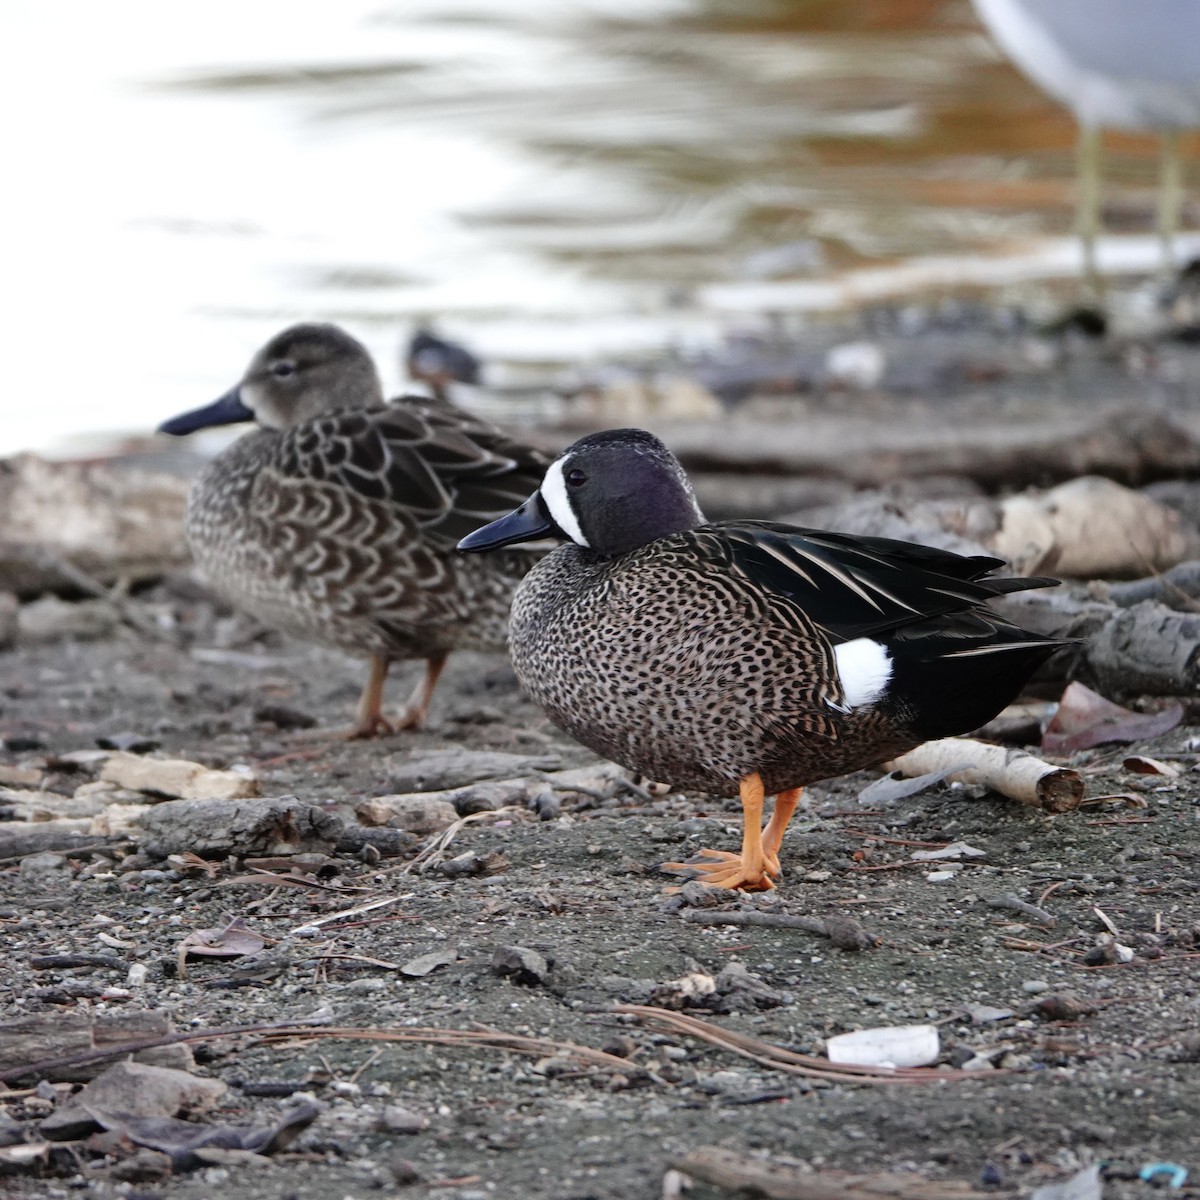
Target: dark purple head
(610,492)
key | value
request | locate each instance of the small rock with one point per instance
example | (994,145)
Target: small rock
(11,776)
(1033,986)
(441,770)
(284,717)
(404,1173)
(417,968)
(133,1088)
(621,1046)
(44,870)
(1063,1006)
(723,1081)
(547,806)
(50,619)
(416,813)
(982,1013)
(396,1119)
(132,743)
(521,965)
(178,778)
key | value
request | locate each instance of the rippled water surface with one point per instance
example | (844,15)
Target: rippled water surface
(554,182)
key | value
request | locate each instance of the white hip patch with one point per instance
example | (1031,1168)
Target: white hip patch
(864,668)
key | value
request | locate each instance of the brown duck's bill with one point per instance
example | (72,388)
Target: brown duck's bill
(525,524)
(228,410)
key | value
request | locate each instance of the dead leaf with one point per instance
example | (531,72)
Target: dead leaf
(1142,764)
(954,850)
(235,940)
(1084,720)
(890,789)
(192,864)
(418,967)
(181,1139)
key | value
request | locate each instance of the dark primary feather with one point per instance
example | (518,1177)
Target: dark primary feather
(854,587)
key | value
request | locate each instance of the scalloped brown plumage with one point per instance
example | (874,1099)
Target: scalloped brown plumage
(336,520)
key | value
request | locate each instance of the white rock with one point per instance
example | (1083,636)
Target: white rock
(177,777)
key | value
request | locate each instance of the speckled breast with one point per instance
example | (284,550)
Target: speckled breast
(670,669)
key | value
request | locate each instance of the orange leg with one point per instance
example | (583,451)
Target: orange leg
(417,709)
(785,805)
(751,869)
(370,719)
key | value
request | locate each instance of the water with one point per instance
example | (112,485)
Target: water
(554,183)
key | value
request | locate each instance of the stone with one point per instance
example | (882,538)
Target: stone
(520,964)
(177,777)
(51,619)
(419,813)
(44,870)
(132,1087)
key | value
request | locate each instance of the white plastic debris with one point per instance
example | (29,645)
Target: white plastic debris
(886,1046)
(1084,1185)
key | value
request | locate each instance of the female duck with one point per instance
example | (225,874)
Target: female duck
(336,519)
(744,653)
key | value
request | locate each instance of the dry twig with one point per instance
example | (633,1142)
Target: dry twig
(781,1181)
(781,1059)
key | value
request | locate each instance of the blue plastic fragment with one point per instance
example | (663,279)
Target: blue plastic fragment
(1176,1176)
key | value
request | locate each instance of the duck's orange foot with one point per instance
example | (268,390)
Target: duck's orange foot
(376,725)
(723,869)
(410,717)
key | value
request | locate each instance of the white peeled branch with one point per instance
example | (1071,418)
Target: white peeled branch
(885,1046)
(1012,773)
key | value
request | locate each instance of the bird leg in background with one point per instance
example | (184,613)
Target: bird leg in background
(1089,206)
(417,708)
(370,719)
(785,805)
(1170,197)
(748,870)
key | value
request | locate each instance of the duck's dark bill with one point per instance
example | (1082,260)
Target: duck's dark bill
(525,524)
(229,410)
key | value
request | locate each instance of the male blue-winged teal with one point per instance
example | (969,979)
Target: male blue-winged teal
(744,654)
(336,519)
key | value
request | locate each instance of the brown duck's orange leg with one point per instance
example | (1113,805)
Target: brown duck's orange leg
(417,709)
(748,870)
(785,805)
(370,719)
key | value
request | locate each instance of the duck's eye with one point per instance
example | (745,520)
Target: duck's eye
(283,369)
(576,478)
